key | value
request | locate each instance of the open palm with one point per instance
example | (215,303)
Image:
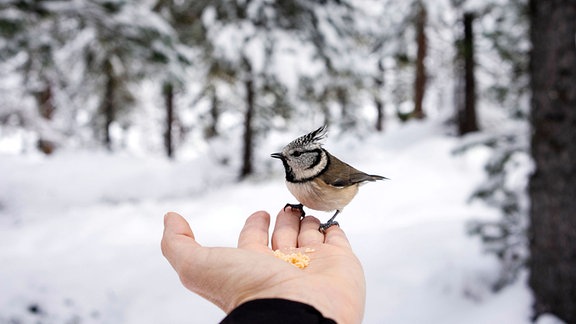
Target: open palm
(333,282)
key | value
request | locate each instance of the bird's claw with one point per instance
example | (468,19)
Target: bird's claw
(297,207)
(325,226)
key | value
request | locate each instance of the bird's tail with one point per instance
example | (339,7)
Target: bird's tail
(373,177)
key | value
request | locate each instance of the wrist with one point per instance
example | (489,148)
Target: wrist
(328,301)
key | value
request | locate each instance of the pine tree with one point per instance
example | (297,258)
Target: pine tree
(249,43)
(378,100)
(27,30)
(107,47)
(467,121)
(504,89)
(553,184)
(421,77)
(189,33)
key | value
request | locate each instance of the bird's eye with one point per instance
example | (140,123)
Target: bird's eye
(296,153)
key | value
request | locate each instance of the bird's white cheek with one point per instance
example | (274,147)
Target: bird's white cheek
(302,171)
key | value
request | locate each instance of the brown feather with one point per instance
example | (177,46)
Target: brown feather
(341,174)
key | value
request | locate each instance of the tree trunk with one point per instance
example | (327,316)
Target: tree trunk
(248,137)
(467,121)
(212,129)
(324,107)
(420,80)
(379,85)
(108,103)
(552,186)
(168,91)
(45,104)
(347,118)
(46,108)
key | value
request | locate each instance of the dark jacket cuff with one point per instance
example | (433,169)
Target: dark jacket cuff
(275,310)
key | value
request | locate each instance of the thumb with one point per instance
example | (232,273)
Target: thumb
(174,224)
(205,271)
(177,239)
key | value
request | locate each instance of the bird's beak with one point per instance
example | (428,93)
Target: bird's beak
(277,156)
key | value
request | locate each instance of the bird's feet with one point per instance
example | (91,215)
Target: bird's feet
(297,207)
(324,226)
(331,222)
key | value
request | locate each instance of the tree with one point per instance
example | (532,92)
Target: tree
(406,42)
(185,19)
(31,31)
(378,101)
(421,42)
(248,137)
(114,45)
(109,101)
(467,107)
(280,59)
(168,92)
(501,51)
(553,184)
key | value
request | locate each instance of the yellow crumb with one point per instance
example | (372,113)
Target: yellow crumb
(297,259)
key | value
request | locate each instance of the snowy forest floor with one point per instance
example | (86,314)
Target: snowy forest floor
(80,233)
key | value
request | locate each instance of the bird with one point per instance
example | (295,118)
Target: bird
(318,179)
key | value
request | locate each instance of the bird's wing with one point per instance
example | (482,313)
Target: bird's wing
(341,174)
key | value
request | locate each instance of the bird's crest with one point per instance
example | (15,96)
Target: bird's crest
(312,137)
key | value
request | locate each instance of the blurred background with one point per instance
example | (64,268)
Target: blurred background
(113,112)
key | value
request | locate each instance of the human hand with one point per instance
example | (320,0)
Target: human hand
(333,282)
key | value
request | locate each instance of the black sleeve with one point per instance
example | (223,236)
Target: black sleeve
(275,311)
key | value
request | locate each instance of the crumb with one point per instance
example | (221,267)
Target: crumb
(297,259)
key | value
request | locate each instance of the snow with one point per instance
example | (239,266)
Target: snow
(80,232)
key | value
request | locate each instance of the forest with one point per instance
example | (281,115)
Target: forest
(121,105)
(104,73)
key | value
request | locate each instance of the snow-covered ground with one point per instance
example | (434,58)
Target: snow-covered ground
(80,233)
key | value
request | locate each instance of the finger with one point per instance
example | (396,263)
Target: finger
(286,229)
(334,235)
(174,224)
(309,233)
(177,239)
(208,272)
(255,231)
